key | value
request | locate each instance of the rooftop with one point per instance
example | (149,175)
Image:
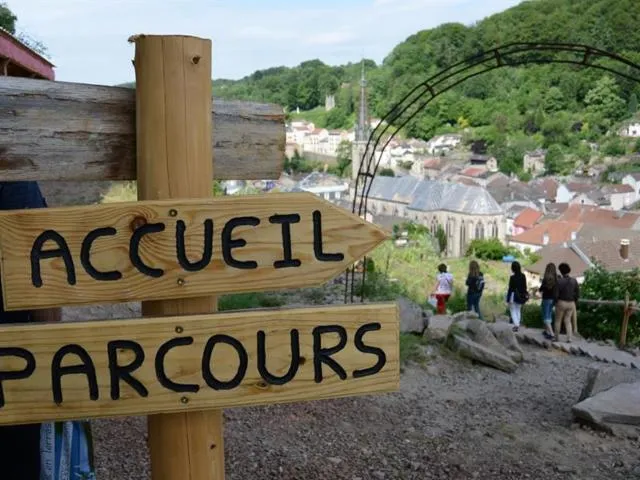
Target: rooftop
(527,218)
(558,231)
(601,217)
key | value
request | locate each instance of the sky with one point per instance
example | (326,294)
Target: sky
(87,39)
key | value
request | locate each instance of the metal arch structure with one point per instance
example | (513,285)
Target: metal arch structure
(510,55)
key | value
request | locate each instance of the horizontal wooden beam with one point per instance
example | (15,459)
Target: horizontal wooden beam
(79,132)
(197,362)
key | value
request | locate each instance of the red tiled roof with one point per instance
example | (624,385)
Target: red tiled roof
(558,231)
(527,218)
(618,188)
(473,171)
(432,163)
(599,216)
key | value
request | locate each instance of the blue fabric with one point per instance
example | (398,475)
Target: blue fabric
(64,449)
(473,303)
(547,310)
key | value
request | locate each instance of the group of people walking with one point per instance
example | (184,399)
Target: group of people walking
(558,290)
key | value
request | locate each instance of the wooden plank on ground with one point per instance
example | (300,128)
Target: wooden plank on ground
(185,363)
(79,132)
(156,250)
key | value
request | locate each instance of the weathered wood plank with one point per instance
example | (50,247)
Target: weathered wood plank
(31,399)
(295,240)
(79,132)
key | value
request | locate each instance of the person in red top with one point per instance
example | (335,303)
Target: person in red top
(442,289)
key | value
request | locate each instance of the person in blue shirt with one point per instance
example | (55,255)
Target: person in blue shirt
(33,452)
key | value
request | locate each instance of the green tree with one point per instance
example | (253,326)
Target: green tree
(554,160)
(343,154)
(441,236)
(604,102)
(633,104)
(386,172)
(7,19)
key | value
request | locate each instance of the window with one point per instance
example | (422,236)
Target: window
(479,233)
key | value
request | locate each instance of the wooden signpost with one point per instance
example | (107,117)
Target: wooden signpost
(174,250)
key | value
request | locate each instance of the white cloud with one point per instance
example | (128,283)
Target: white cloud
(88,39)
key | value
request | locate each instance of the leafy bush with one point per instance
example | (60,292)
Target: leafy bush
(489,249)
(605,321)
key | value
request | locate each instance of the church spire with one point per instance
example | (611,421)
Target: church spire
(363,126)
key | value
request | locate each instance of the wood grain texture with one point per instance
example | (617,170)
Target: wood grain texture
(174,152)
(30,400)
(342,232)
(79,132)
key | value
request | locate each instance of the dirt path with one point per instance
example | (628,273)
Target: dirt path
(450,420)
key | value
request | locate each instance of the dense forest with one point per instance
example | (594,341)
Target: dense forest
(557,107)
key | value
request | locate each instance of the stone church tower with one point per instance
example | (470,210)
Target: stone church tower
(362,131)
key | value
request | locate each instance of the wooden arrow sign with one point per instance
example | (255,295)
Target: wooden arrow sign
(153,250)
(152,365)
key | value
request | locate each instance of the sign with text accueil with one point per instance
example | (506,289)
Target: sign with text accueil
(155,250)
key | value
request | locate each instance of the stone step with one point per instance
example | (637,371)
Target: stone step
(601,353)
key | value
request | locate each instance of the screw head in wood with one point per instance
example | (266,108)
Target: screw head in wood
(184,400)
(173,212)
(180,282)
(179,329)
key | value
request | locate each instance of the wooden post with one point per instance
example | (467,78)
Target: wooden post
(625,321)
(174,151)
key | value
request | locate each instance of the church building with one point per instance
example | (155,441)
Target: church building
(464,212)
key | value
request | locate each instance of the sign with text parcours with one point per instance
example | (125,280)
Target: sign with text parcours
(51,372)
(155,250)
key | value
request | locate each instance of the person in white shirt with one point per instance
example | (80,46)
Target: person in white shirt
(442,289)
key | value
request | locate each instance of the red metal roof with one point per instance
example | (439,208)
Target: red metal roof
(29,60)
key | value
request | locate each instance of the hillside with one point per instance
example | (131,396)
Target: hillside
(512,110)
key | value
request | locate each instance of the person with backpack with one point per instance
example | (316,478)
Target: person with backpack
(517,294)
(442,289)
(475,287)
(549,290)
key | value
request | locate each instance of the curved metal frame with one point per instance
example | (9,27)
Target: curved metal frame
(432,87)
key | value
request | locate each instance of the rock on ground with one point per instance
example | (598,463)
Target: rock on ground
(413,319)
(617,405)
(473,339)
(602,377)
(504,334)
(438,327)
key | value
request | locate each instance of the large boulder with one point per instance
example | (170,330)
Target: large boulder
(619,405)
(504,334)
(438,328)
(473,339)
(602,377)
(413,318)
(485,355)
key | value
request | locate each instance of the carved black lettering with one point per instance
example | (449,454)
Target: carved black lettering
(286,221)
(123,372)
(161,374)
(317,241)
(243,358)
(323,355)
(293,366)
(85,255)
(26,372)
(228,244)
(62,251)
(185,263)
(360,345)
(87,368)
(134,247)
